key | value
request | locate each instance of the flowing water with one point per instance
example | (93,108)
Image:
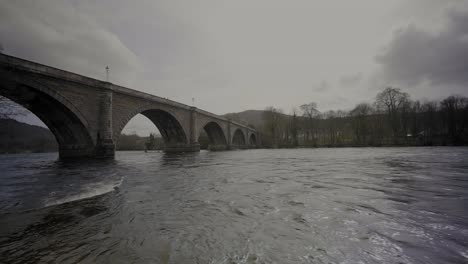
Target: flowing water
(356,205)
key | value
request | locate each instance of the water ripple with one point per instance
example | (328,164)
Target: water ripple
(372,205)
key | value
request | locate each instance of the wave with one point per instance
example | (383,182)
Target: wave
(86,193)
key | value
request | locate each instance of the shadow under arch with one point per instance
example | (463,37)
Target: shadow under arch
(239,138)
(67,125)
(217,139)
(253,140)
(171,130)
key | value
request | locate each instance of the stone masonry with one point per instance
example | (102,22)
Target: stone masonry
(87,115)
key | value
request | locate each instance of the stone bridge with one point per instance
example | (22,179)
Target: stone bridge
(87,115)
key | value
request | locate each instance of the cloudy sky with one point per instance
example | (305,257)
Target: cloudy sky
(248,54)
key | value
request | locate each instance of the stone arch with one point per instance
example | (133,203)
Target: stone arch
(253,139)
(167,123)
(63,119)
(217,138)
(238,138)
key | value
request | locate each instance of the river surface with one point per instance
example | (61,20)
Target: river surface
(350,205)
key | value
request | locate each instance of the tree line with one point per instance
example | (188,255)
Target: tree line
(393,119)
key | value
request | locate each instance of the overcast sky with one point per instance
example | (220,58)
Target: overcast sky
(248,54)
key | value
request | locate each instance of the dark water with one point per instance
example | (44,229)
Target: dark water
(382,205)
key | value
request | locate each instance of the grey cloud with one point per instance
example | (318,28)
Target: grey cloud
(55,33)
(350,80)
(416,56)
(336,102)
(322,87)
(277,54)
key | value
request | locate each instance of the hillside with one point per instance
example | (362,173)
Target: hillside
(250,117)
(18,137)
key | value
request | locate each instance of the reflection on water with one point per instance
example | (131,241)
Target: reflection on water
(369,205)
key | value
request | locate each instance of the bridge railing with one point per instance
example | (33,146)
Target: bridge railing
(35,67)
(147,96)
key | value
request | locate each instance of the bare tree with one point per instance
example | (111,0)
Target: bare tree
(392,100)
(272,121)
(310,113)
(393,119)
(452,110)
(310,110)
(330,129)
(294,128)
(429,121)
(360,115)
(405,116)
(415,118)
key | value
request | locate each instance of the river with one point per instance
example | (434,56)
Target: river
(350,205)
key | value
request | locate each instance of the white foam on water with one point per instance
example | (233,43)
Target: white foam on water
(86,193)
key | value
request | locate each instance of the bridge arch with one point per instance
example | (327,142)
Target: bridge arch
(253,140)
(63,119)
(167,123)
(238,138)
(216,136)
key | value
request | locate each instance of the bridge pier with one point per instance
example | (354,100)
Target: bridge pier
(229,135)
(193,145)
(105,147)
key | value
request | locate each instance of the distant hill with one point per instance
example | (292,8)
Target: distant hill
(249,117)
(16,137)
